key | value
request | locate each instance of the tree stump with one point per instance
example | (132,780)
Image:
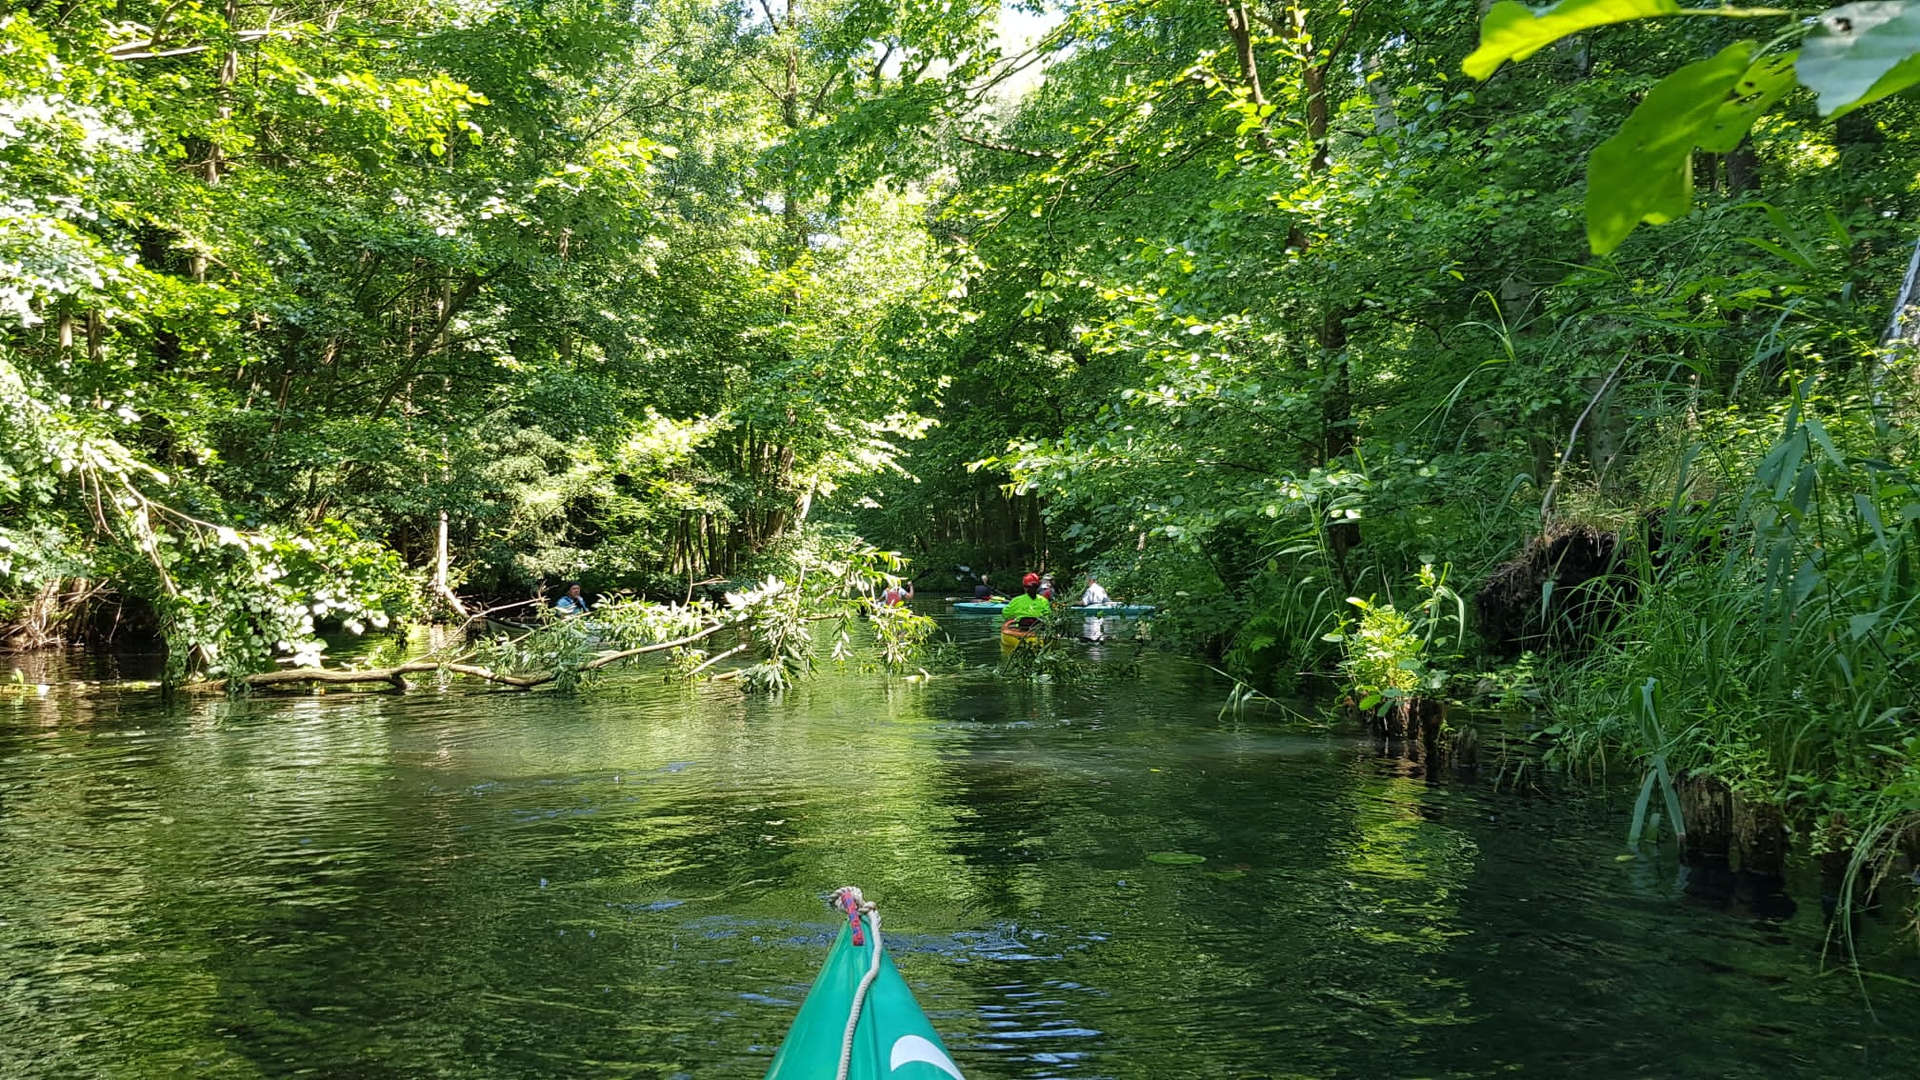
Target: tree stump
(1706,809)
(1760,838)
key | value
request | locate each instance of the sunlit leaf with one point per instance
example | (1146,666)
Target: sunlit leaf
(1645,171)
(1764,84)
(1514,31)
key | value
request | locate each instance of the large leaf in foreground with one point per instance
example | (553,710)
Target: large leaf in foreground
(1645,171)
(1765,82)
(1861,53)
(1514,31)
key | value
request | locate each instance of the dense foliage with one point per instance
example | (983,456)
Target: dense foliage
(1258,309)
(1280,306)
(574,283)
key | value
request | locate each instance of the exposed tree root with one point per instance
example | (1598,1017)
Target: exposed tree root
(1564,587)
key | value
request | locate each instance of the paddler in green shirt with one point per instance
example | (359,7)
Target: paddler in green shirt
(1029,605)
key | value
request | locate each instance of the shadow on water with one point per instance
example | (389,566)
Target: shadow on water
(453,883)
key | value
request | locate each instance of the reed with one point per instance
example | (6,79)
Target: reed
(1773,647)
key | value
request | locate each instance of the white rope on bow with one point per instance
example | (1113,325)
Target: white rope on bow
(861,908)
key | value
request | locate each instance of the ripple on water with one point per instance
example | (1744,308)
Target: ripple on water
(454,884)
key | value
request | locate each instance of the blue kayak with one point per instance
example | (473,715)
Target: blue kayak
(1096,610)
(992,607)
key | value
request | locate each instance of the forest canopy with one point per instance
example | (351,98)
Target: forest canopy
(1298,320)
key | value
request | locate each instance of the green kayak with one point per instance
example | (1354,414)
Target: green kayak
(891,1036)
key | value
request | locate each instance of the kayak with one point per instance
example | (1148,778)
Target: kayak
(859,988)
(980,607)
(589,628)
(983,607)
(1095,611)
(1013,635)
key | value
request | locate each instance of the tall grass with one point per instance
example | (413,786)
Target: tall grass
(1779,625)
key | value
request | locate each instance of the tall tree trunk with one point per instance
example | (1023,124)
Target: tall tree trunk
(1314,81)
(1902,338)
(1338,436)
(1384,118)
(1240,29)
(1743,169)
(1331,335)
(442,550)
(213,167)
(794,220)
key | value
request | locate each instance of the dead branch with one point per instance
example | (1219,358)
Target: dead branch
(1040,155)
(716,658)
(396,675)
(143,50)
(444,592)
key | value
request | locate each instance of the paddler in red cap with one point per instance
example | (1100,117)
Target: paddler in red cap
(1028,605)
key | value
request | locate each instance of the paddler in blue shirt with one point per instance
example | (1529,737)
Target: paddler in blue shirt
(572,603)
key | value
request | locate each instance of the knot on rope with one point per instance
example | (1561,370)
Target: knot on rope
(847,898)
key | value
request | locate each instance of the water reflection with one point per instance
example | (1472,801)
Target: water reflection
(464,883)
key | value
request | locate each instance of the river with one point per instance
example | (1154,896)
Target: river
(464,883)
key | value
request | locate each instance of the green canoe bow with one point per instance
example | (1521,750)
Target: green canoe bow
(893,1040)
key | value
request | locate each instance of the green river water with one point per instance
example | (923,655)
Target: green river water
(461,883)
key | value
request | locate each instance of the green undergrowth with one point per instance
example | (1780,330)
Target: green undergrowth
(1782,664)
(1392,657)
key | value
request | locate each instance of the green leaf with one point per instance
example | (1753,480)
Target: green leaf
(1772,248)
(1759,88)
(1861,53)
(1870,513)
(1805,580)
(1513,31)
(1802,498)
(1819,432)
(1175,858)
(1640,805)
(1645,171)
(1671,797)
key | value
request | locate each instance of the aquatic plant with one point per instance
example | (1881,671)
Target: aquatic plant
(1050,655)
(1389,655)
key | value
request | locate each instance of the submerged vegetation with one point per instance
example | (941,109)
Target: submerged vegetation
(344,316)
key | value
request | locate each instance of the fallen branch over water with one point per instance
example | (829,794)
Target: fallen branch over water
(774,616)
(397,674)
(716,658)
